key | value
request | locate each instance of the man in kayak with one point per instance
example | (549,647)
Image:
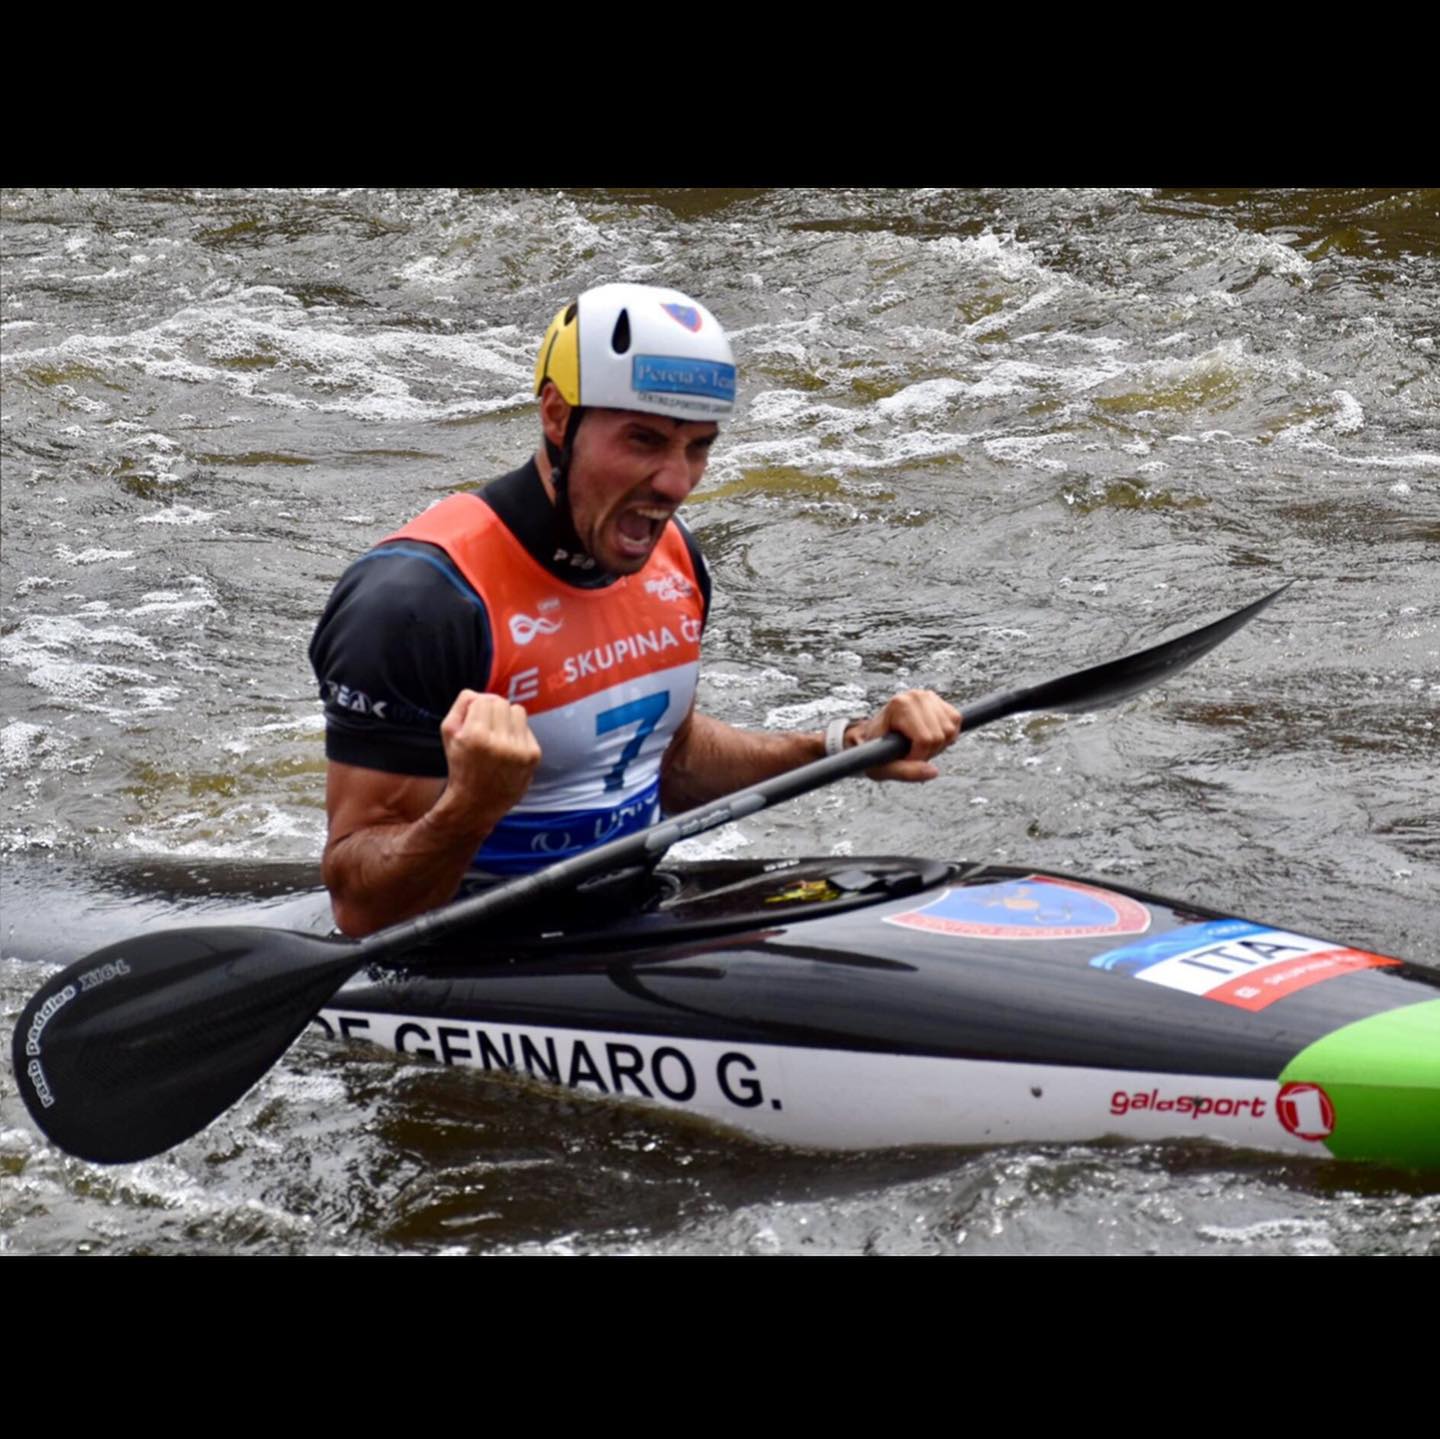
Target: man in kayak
(510,678)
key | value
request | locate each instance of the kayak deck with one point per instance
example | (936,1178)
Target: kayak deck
(890,1001)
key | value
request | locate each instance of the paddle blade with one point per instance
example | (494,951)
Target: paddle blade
(1108,684)
(143,1043)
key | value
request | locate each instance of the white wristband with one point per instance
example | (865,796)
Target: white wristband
(835,735)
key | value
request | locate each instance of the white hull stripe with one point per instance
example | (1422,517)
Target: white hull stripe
(841,1099)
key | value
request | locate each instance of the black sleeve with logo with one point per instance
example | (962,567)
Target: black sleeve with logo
(402,635)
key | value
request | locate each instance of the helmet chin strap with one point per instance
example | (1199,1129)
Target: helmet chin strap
(566,536)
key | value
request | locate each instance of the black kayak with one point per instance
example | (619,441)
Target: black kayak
(877,1002)
(862,1003)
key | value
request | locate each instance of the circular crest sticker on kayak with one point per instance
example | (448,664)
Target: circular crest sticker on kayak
(1037,907)
(1306,1111)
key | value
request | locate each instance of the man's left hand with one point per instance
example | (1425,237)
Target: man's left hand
(930,723)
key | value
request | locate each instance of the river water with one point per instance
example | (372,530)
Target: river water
(985,437)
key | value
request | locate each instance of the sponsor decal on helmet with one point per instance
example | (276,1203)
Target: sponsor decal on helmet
(686,315)
(1038,907)
(1232,961)
(672,375)
(619,339)
(1306,1111)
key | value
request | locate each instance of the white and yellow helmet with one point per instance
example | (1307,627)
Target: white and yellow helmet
(639,347)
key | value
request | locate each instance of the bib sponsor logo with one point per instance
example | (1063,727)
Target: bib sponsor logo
(670,587)
(1035,908)
(524,685)
(1232,961)
(523,629)
(1306,1111)
(595,828)
(611,656)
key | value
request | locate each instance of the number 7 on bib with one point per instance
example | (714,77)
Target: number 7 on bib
(644,713)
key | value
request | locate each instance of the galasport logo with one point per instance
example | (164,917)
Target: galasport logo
(1306,1111)
(1195,1105)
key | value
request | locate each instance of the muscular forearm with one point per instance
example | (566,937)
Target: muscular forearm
(384,873)
(709,759)
(400,845)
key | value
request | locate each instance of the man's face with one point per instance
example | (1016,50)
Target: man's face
(629,473)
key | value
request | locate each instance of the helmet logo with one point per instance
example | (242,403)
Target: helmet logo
(671,375)
(686,315)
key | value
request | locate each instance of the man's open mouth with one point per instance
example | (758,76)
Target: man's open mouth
(638,527)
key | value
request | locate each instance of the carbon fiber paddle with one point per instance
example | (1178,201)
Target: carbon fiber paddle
(145,1042)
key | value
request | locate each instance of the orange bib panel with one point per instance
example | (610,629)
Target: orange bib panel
(605,675)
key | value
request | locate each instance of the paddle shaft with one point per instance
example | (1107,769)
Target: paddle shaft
(644,847)
(1092,688)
